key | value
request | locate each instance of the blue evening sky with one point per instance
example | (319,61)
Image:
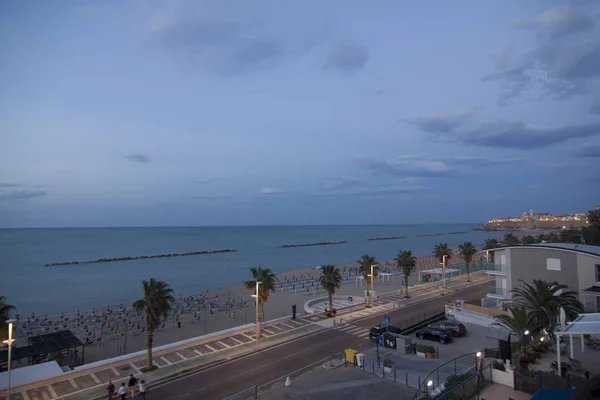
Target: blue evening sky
(144,113)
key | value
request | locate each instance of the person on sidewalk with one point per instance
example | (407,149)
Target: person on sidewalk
(110,389)
(131,385)
(123,391)
(142,388)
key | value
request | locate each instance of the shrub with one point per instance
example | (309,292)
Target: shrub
(429,349)
(388,362)
(421,347)
(499,366)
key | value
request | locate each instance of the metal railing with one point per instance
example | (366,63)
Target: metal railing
(468,388)
(497,291)
(495,268)
(252,393)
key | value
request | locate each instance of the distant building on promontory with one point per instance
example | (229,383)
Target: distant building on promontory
(538,220)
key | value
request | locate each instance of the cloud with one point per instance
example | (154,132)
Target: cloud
(565,60)
(484,162)
(411,165)
(20,192)
(347,57)
(138,158)
(273,191)
(440,123)
(589,150)
(339,182)
(518,135)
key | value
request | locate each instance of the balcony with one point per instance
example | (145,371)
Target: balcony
(497,293)
(495,269)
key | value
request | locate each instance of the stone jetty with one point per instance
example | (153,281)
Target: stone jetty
(287,246)
(430,234)
(388,238)
(457,233)
(105,260)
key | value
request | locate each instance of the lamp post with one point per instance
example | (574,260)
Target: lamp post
(444,274)
(372,281)
(9,342)
(525,335)
(257,325)
(429,386)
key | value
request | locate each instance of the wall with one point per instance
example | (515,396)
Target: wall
(528,263)
(586,273)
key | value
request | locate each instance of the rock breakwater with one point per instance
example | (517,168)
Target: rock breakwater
(116,259)
(387,238)
(287,246)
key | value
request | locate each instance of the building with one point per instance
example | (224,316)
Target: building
(574,265)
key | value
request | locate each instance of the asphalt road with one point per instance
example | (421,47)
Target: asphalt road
(268,365)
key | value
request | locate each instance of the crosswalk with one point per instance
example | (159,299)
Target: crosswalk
(354,330)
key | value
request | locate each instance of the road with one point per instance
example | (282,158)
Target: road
(275,363)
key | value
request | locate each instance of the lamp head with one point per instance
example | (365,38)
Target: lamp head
(526,332)
(430,383)
(478,354)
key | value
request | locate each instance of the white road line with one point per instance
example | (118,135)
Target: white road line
(165,360)
(44,396)
(210,348)
(289,326)
(198,352)
(354,331)
(73,384)
(363,334)
(181,355)
(24,395)
(184,395)
(347,328)
(276,327)
(95,378)
(51,390)
(296,322)
(224,344)
(235,340)
(117,373)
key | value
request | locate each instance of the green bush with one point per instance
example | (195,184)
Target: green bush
(388,362)
(429,349)
(499,366)
(421,347)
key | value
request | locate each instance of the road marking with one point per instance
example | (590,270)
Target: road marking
(25,395)
(235,340)
(73,384)
(166,360)
(198,352)
(276,327)
(117,373)
(95,378)
(296,322)
(184,395)
(224,344)
(289,326)
(136,369)
(210,348)
(181,355)
(51,390)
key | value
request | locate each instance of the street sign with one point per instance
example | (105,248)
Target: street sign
(380,341)
(387,319)
(350,299)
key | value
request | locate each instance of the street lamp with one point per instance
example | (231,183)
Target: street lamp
(477,358)
(444,274)
(429,386)
(372,281)
(9,342)
(525,334)
(257,325)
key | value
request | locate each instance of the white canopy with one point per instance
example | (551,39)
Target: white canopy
(584,324)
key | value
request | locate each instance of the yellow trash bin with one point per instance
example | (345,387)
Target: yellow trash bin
(351,356)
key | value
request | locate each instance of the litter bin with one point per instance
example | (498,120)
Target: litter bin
(351,356)
(360,360)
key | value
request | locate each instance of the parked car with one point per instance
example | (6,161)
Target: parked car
(456,328)
(441,335)
(382,328)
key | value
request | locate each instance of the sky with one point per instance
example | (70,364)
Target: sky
(169,113)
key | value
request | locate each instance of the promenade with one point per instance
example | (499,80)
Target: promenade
(89,381)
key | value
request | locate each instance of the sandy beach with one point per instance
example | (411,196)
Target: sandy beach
(115,330)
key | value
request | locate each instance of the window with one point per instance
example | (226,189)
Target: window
(597,273)
(553,264)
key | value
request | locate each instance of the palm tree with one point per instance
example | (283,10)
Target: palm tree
(542,237)
(156,304)
(491,243)
(511,240)
(4,313)
(265,289)
(330,279)
(364,266)
(408,263)
(528,239)
(440,250)
(519,321)
(544,301)
(467,252)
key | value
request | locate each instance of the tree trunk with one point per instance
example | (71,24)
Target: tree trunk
(149,365)
(259,322)
(468,272)
(406,283)
(330,302)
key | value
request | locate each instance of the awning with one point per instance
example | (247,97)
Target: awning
(497,331)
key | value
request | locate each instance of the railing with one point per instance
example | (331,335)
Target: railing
(460,365)
(496,291)
(468,388)
(495,268)
(252,393)
(532,381)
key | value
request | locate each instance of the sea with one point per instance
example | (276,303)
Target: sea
(34,288)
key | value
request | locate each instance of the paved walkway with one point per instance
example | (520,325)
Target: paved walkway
(90,383)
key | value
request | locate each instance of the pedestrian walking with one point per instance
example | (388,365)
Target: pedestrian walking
(110,389)
(123,391)
(131,385)
(142,388)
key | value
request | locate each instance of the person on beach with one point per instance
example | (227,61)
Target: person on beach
(123,391)
(131,385)
(110,389)
(142,388)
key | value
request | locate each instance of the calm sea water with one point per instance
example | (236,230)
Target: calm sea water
(51,290)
